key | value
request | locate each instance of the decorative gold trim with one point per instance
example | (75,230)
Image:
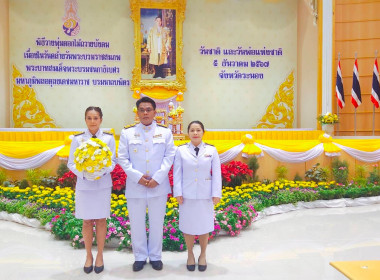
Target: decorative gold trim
(137,83)
(280,114)
(27,111)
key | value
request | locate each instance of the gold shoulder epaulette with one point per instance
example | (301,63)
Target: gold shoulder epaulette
(129,126)
(209,144)
(182,144)
(162,125)
(108,132)
(79,133)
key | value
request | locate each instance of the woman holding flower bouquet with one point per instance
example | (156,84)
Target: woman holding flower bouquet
(197,187)
(92,158)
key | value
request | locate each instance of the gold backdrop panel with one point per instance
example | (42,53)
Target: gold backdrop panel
(27,111)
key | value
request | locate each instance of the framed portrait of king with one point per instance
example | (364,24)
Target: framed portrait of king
(158,44)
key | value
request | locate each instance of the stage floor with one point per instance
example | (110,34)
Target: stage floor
(291,246)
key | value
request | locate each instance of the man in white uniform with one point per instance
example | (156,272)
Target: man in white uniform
(146,153)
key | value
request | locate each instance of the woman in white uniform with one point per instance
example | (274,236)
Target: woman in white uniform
(197,187)
(93,195)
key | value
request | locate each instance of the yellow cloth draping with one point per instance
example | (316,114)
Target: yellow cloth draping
(35,135)
(328,146)
(30,143)
(250,148)
(21,149)
(264,134)
(365,145)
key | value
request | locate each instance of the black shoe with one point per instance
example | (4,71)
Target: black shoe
(202,267)
(138,265)
(157,265)
(88,269)
(98,269)
(190,267)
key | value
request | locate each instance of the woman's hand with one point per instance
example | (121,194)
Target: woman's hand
(179,199)
(215,200)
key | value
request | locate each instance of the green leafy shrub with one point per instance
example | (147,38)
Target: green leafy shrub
(360,175)
(33,176)
(62,169)
(50,182)
(6,183)
(3,177)
(297,178)
(374,175)
(24,184)
(15,206)
(340,171)
(281,172)
(316,174)
(253,164)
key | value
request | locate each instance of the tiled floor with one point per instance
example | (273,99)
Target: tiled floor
(296,245)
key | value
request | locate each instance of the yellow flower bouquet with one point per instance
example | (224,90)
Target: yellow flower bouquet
(328,118)
(93,157)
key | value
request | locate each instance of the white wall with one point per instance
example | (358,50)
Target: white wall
(307,44)
(217,103)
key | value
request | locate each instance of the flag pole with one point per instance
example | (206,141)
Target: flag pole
(373,114)
(337,103)
(356,56)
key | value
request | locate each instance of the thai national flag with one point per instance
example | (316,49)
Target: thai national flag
(375,97)
(356,96)
(339,87)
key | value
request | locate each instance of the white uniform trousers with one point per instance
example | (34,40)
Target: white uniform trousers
(143,248)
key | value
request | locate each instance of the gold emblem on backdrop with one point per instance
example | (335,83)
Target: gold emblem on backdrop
(280,114)
(171,76)
(27,111)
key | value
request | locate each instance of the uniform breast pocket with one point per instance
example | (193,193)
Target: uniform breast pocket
(135,145)
(159,146)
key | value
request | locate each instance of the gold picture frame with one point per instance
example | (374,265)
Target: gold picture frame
(162,68)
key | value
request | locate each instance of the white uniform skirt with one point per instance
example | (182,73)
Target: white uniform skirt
(196,216)
(93,204)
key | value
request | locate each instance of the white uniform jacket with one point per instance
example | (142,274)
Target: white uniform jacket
(197,177)
(146,150)
(106,180)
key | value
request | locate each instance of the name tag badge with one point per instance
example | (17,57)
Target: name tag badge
(157,136)
(207,155)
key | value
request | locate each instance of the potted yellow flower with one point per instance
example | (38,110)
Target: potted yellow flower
(327,121)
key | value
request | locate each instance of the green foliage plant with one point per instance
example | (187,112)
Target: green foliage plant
(36,176)
(3,177)
(297,178)
(253,164)
(33,176)
(281,172)
(316,174)
(340,171)
(360,175)
(62,169)
(374,175)
(24,184)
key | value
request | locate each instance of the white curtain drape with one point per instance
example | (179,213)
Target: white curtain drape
(292,157)
(231,153)
(28,163)
(361,155)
